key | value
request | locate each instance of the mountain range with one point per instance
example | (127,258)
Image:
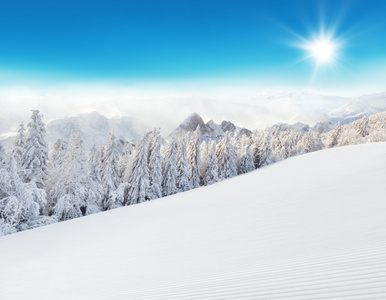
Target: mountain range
(95,128)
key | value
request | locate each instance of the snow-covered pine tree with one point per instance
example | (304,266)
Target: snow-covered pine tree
(266,153)
(297,141)
(363,126)
(194,158)
(255,141)
(3,157)
(19,202)
(124,159)
(334,139)
(308,143)
(227,158)
(241,146)
(246,161)
(138,182)
(183,183)
(155,167)
(203,160)
(94,164)
(54,168)
(110,171)
(36,151)
(276,144)
(318,144)
(169,182)
(288,144)
(102,149)
(211,175)
(19,145)
(74,192)
(58,151)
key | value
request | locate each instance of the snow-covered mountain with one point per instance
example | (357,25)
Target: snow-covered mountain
(309,227)
(209,129)
(308,106)
(296,109)
(94,128)
(356,109)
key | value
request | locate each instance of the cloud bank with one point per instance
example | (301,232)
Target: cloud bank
(165,106)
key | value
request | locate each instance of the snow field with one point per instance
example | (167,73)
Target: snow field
(309,227)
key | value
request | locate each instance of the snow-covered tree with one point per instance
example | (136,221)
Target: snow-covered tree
(169,182)
(74,193)
(58,151)
(246,161)
(138,182)
(297,140)
(307,143)
(94,164)
(310,142)
(55,162)
(363,126)
(318,141)
(124,162)
(227,158)
(155,167)
(183,183)
(211,175)
(19,201)
(334,138)
(110,171)
(287,144)
(255,148)
(203,160)
(36,151)
(194,158)
(19,145)
(3,157)
(266,153)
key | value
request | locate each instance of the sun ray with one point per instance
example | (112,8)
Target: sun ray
(322,48)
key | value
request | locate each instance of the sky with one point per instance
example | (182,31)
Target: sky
(77,53)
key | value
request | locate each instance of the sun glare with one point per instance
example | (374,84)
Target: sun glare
(322,51)
(322,48)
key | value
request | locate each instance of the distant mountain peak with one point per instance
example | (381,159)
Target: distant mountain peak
(191,122)
(228,126)
(209,130)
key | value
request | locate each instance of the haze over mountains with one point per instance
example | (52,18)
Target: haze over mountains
(265,109)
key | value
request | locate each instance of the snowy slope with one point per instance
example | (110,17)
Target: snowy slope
(310,227)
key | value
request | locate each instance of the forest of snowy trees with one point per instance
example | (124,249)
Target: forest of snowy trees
(40,186)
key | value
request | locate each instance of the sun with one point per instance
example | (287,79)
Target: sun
(323,50)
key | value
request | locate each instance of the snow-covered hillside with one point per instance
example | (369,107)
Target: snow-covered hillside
(309,227)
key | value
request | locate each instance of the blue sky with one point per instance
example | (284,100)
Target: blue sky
(247,42)
(162,60)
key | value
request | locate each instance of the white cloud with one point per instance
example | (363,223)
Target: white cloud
(164,105)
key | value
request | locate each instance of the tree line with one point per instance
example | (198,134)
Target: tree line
(40,186)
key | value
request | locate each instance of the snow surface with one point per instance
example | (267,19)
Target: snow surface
(310,227)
